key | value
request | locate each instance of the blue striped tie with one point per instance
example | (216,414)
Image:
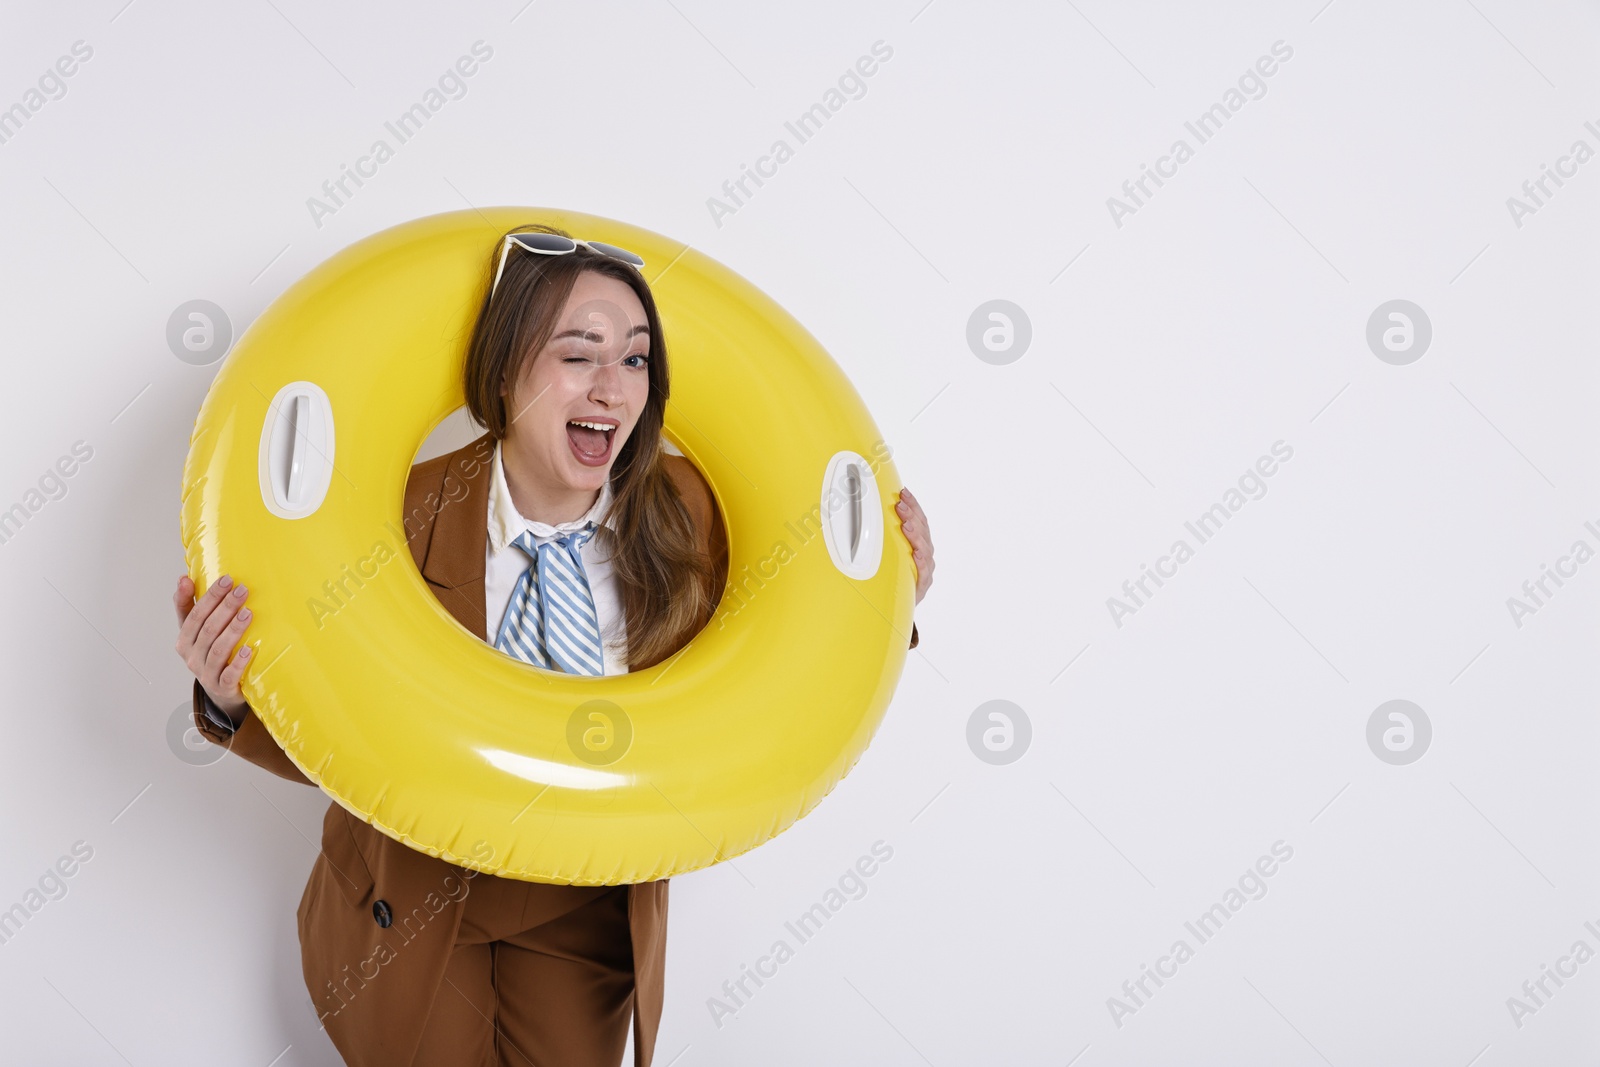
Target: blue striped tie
(568,632)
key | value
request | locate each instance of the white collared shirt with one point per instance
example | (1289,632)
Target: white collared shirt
(504,564)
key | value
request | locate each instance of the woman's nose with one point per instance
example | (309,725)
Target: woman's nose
(606,378)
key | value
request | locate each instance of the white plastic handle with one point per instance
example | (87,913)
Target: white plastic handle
(296,457)
(852,516)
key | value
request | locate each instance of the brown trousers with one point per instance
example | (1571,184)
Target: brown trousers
(525,988)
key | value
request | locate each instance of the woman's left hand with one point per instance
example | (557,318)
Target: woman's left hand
(914,525)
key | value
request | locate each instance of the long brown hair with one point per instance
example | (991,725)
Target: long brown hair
(667,584)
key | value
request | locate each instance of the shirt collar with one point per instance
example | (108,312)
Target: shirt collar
(506,524)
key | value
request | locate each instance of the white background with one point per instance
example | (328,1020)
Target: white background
(1167,753)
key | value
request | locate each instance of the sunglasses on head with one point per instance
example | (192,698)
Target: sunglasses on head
(553,244)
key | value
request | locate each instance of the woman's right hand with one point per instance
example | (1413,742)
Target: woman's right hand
(208,631)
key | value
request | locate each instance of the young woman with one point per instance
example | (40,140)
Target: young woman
(568,538)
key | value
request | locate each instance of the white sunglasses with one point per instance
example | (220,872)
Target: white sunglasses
(553,244)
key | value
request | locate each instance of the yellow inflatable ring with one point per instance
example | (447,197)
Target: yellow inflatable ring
(297,467)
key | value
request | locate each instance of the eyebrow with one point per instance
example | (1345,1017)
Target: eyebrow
(641,328)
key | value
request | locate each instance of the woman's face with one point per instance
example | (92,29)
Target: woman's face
(594,369)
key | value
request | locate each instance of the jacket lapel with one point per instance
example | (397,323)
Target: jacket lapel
(458,536)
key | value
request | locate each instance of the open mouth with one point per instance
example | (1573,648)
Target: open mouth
(591,441)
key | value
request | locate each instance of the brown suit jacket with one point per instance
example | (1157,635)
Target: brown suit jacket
(373,985)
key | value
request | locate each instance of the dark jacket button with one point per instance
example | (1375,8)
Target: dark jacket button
(381,912)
